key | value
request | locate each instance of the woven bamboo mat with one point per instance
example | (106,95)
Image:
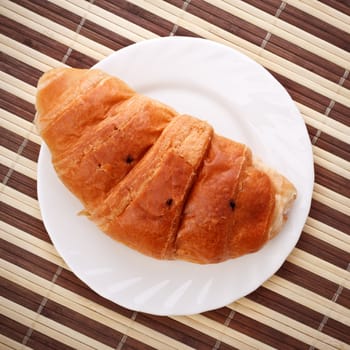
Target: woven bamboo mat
(305,44)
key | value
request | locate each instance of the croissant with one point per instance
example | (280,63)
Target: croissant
(159,182)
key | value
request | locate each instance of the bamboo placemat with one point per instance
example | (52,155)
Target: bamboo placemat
(305,44)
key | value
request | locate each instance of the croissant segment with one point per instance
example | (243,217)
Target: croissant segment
(159,182)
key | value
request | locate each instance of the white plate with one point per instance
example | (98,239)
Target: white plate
(242,101)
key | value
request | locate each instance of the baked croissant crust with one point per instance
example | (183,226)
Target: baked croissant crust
(162,183)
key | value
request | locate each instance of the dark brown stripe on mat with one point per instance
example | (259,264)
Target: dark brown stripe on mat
(224,346)
(288,307)
(23,221)
(19,69)
(340,5)
(10,140)
(304,58)
(220,315)
(341,113)
(334,146)
(332,180)
(52,12)
(344,297)
(308,280)
(23,184)
(104,36)
(269,6)
(133,344)
(298,312)
(31,150)
(82,324)
(177,3)
(27,260)
(337,330)
(184,32)
(302,94)
(264,333)
(13,142)
(346,82)
(32,38)
(20,295)
(12,329)
(69,281)
(255,329)
(39,341)
(311,131)
(315,26)
(17,106)
(177,330)
(330,216)
(137,15)
(78,60)
(44,44)
(226,21)
(324,250)
(3,172)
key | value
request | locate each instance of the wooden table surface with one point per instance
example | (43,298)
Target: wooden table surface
(305,44)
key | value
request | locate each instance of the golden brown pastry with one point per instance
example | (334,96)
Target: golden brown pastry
(161,183)
(145,208)
(104,153)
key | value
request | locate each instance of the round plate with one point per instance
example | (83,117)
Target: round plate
(243,102)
